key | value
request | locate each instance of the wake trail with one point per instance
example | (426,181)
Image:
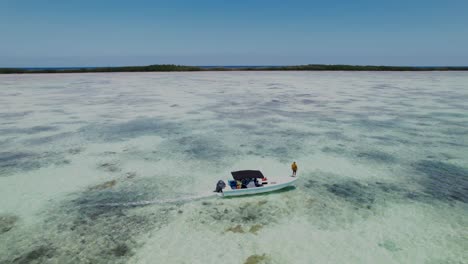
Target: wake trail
(161,201)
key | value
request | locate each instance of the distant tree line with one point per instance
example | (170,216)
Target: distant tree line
(150,68)
(182,68)
(340,67)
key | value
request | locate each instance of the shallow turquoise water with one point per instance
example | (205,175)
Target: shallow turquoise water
(119,167)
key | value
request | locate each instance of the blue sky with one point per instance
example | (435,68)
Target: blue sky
(40,33)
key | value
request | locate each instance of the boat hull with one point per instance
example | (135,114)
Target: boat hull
(271,187)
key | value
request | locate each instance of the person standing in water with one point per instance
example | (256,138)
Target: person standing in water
(294,168)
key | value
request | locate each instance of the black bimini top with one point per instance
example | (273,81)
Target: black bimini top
(246,174)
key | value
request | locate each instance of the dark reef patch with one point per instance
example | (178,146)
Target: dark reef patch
(327,119)
(49,139)
(8,159)
(359,194)
(17,160)
(310,184)
(376,155)
(241,114)
(256,214)
(70,122)
(284,149)
(281,143)
(28,131)
(389,140)
(297,115)
(456,132)
(255,229)
(296,134)
(317,103)
(235,229)
(130,129)
(333,150)
(447,114)
(38,255)
(11,162)
(453,144)
(354,192)
(98,225)
(369,124)
(245,127)
(103,200)
(337,135)
(249,214)
(7,222)
(443,181)
(14,115)
(75,151)
(389,187)
(6,142)
(121,250)
(280,151)
(202,148)
(102,186)
(257,259)
(389,245)
(273,103)
(199,147)
(308,101)
(130,174)
(111,166)
(382,87)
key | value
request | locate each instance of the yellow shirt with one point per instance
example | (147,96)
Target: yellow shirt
(294,166)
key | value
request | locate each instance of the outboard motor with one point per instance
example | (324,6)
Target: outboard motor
(220,186)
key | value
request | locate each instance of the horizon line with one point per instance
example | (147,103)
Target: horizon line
(238,65)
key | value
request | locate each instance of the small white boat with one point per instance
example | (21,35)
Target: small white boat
(248,182)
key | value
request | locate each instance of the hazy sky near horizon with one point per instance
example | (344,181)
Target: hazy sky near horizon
(39,33)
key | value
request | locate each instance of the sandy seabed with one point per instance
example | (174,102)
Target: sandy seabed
(120,167)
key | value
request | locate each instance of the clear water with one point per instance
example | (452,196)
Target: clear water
(120,167)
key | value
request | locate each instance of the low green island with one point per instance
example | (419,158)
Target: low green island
(183,68)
